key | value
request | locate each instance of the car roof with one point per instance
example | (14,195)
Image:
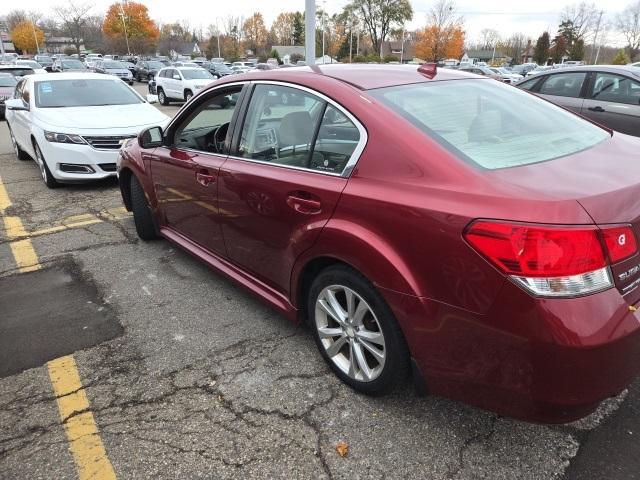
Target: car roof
(598,68)
(75,76)
(361,76)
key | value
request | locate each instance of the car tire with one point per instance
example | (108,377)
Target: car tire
(187,95)
(149,78)
(366,349)
(21,154)
(142,216)
(138,79)
(162,97)
(48,179)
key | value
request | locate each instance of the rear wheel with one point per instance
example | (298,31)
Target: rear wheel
(21,154)
(48,179)
(162,97)
(356,332)
(142,216)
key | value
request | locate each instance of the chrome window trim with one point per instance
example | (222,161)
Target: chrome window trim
(348,168)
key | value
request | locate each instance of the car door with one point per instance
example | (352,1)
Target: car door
(614,101)
(185,173)
(279,188)
(21,124)
(564,89)
(174,81)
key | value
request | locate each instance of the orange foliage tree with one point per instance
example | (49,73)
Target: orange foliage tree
(141,31)
(24,36)
(434,44)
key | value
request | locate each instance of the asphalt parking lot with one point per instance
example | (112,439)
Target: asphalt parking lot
(182,374)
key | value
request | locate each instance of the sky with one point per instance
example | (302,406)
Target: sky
(529,17)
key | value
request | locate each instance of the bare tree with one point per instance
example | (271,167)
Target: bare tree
(489,38)
(74,19)
(381,16)
(628,22)
(14,17)
(514,45)
(583,17)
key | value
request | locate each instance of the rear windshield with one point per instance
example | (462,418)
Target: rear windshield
(491,124)
(18,71)
(83,93)
(7,80)
(73,64)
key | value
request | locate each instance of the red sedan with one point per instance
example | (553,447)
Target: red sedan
(424,223)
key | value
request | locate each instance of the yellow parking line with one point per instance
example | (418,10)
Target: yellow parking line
(80,426)
(82,432)
(23,251)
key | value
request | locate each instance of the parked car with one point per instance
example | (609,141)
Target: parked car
(66,64)
(608,95)
(246,65)
(45,60)
(185,64)
(238,69)
(16,70)
(8,58)
(481,70)
(199,60)
(218,70)
(492,252)
(7,86)
(265,66)
(637,64)
(181,83)
(35,66)
(130,66)
(115,68)
(147,69)
(538,70)
(506,76)
(73,124)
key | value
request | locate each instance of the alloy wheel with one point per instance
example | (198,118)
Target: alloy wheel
(350,333)
(16,150)
(40,162)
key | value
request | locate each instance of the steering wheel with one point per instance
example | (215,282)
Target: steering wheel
(218,137)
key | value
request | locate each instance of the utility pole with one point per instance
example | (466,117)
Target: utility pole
(324,5)
(35,37)
(310,32)
(595,38)
(402,46)
(350,39)
(124,25)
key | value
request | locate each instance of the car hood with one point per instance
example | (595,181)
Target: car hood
(102,117)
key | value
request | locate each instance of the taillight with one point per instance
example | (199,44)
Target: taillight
(620,242)
(549,260)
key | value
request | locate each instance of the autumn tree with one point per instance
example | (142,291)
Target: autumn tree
(628,23)
(381,16)
(74,17)
(443,37)
(131,21)
(541,51)
(282,29)
(255,33)
(27,37)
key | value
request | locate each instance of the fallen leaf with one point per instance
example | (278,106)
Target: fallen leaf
(342,448)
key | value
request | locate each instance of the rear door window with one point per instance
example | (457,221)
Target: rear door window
(567,84)
(609,87)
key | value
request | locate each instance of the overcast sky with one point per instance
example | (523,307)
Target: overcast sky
(529,17)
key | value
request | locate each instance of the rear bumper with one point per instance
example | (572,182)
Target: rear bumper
(549,361)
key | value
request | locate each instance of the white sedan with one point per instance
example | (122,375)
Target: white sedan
(73,124)
(37,68)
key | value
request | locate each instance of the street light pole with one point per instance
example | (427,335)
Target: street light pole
(310,32)
(124,26)
(35,37)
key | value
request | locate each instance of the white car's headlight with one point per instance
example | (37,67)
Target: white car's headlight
(63,138)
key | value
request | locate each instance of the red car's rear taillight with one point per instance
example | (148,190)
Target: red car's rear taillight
(553,261)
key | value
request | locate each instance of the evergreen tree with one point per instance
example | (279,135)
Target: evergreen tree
(541,51)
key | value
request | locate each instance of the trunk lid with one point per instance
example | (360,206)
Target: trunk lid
(605,181)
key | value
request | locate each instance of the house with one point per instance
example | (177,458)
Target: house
(401,52)
(7,45)
(58,44)
(488,55)
(285,51)
(177,48)
(527,54)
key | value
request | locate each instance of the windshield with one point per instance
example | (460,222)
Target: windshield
(114,65)
(483,122)
(29,63)
(196,74)
(18,71)
(155,65)
(73,64)
(83,93)
(7,80)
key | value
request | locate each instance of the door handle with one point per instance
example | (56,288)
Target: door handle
(597,109)
(205,179)
(307,206)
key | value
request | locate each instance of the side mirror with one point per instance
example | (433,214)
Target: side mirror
(150,137)
(152,98)
(16,104)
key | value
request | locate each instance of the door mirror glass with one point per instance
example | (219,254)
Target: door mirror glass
(150,138)
(16,104)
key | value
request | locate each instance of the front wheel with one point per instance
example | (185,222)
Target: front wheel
(48,179)
(142,216)
(356,332)
(162,97)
